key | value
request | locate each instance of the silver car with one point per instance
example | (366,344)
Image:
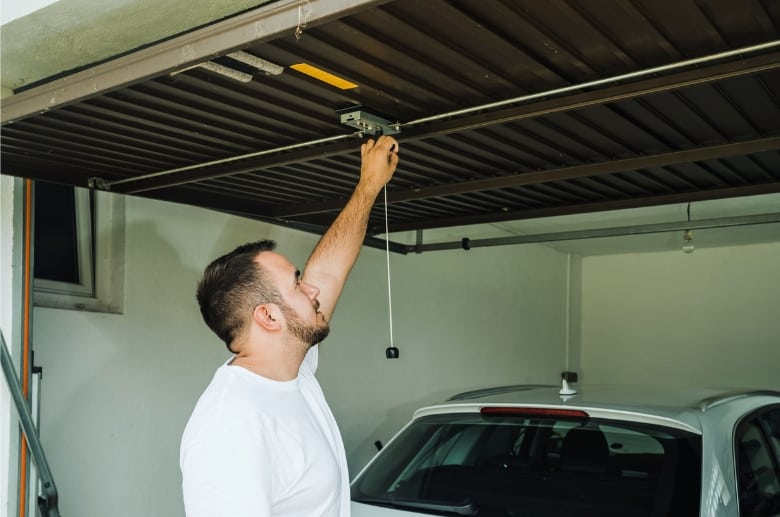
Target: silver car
(600,451)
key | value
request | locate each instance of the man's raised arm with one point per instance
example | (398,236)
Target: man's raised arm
(332,259)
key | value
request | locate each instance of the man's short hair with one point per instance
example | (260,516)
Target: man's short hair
(232,286)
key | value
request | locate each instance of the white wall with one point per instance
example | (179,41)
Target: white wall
(117,389)
(710,318)
(461,320)
(13,9)
(10,323)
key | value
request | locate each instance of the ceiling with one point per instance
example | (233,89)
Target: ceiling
(512,115)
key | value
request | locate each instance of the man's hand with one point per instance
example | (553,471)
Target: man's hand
(379,160)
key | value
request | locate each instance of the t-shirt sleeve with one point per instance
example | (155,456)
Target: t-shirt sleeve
(311,360)
(227,472)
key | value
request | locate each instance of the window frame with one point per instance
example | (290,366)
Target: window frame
(100,226)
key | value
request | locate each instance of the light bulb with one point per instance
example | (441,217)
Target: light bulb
(687,246)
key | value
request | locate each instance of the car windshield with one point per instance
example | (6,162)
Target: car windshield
(470,464)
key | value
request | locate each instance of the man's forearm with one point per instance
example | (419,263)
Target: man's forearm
(336,252)
(332,259)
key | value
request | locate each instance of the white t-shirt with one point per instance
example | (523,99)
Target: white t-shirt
(256,447)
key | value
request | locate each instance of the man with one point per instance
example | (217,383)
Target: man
(262,440)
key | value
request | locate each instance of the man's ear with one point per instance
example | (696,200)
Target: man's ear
(268,316)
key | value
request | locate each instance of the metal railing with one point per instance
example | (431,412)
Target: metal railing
(47,501)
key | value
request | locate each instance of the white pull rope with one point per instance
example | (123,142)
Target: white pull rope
(387,254)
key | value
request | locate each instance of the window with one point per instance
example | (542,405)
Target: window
(79,248)
(758,464)
(63,239)
(501,466)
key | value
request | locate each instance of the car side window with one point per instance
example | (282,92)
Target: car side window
(771,423)
(758,473)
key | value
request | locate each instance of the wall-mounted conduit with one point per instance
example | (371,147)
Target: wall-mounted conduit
(620,231)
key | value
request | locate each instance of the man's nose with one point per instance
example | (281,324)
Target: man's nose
(311,291)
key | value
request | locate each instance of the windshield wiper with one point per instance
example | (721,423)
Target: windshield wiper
(467,507)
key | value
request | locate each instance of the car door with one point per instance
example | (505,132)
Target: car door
(758,463)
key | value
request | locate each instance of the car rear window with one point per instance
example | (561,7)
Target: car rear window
(469,464)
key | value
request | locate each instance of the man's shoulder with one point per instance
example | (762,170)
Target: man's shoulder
(232,402)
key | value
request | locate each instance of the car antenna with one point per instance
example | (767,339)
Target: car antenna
(566,389)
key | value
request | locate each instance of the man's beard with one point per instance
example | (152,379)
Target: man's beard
(309,334)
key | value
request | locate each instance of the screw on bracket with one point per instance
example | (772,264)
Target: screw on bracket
(98,183)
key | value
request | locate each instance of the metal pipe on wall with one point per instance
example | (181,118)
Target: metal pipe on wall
(722,222)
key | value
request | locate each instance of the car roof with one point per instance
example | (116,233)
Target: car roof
(671,406)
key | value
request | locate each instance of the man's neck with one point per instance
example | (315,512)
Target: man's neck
(283,365)
(275,372)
